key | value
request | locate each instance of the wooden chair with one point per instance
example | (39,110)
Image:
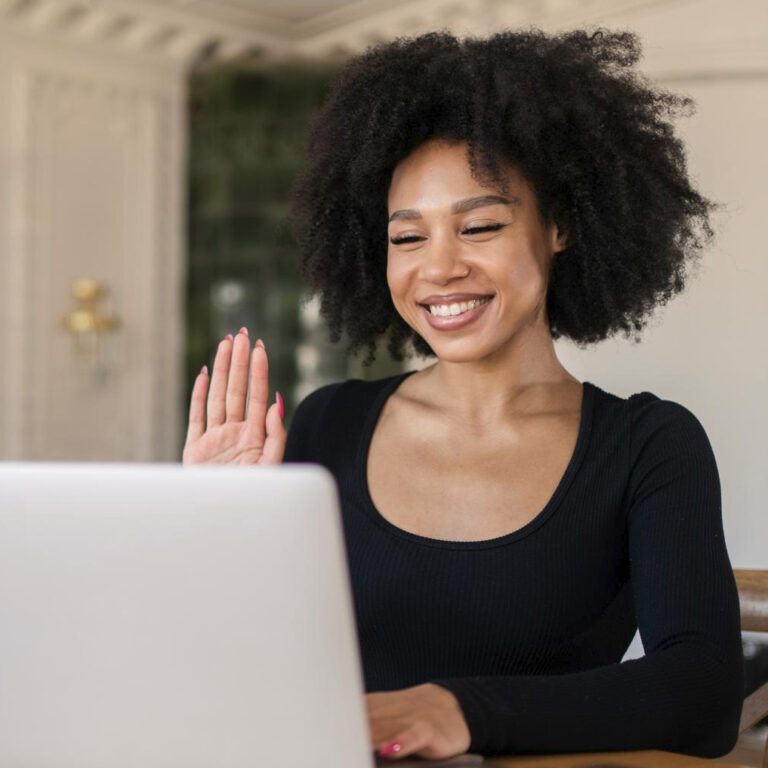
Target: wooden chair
(753,600)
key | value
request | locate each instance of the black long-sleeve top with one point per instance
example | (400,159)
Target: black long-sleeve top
(528,630)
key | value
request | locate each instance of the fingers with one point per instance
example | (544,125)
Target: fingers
(227,392)
(274,446)
(197,406)
(237,383)
(391,749)
(218,387)
(417,739)
(259,394)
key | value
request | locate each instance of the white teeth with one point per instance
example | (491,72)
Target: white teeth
(443,310)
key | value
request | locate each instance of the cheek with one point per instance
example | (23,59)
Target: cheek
(526,280)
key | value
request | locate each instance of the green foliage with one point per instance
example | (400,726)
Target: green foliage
(247,131)
(247,136)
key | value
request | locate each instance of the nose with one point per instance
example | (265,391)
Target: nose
(442,262)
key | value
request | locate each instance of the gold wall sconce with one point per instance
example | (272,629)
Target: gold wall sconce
(88,323)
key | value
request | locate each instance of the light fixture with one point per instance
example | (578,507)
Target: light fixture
(88,323)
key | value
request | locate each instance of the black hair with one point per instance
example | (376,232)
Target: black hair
(592,136)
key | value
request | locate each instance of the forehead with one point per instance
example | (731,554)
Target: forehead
(436,174)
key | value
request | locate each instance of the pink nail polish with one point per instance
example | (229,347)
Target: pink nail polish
(390,749)
(204,370)
(228,337)
(260,343)
(243,330)
(279,401)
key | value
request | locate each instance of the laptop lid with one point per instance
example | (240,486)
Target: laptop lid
(169,616)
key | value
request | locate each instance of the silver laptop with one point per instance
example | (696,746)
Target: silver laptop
(156,616)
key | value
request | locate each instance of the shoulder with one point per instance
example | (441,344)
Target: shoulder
(656,421)
(653,434)
(332,414)
(669,450)
(648,417)
(351,395)
(317,401)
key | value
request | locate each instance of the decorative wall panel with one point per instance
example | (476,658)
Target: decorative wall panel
(93,189)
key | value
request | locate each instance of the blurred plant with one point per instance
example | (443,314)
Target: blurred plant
(247,133)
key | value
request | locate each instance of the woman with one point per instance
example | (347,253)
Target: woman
(508,526)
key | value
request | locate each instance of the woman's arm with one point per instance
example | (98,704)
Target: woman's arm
(685,695)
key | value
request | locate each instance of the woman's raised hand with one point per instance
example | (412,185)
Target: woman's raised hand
(221,429)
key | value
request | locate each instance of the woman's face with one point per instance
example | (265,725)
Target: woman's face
(467,267)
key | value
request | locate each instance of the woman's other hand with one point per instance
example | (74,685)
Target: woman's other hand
(221,430)
(425,720)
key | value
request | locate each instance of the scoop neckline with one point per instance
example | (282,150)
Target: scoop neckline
(582,440)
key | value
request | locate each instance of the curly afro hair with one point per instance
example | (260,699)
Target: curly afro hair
(592,136)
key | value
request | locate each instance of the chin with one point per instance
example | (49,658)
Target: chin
(457,353)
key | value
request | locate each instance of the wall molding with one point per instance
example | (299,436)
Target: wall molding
(141,29)
(190,32)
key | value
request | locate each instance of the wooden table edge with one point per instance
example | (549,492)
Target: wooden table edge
(636,759)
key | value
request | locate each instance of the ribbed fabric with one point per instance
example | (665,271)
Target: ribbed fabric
(528,630)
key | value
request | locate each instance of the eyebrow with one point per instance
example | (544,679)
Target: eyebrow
(462,206)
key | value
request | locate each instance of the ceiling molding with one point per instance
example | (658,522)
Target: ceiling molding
(193,31)
(154,29)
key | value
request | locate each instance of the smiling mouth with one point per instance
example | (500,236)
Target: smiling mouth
(457,308)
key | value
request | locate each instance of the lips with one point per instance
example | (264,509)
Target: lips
(452,298)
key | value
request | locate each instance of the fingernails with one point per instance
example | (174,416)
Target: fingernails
(204,370)
(279,401)
(243,330)
(228,337)
(260,343)
(390,749)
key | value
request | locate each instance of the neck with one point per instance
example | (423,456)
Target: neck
(523,377)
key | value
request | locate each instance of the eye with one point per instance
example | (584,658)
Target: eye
(405,239)
(484,228)
(469,231)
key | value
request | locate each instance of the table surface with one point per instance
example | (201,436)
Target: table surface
(636,759)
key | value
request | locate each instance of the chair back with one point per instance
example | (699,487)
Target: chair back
(753,601)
